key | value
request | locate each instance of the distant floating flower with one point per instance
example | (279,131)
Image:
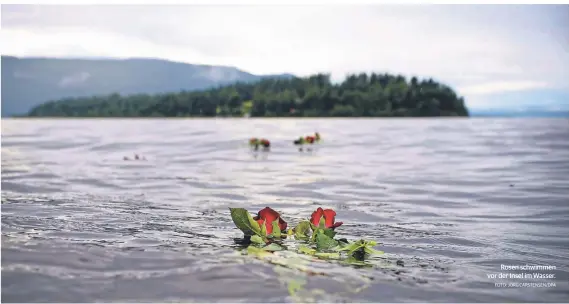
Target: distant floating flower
(136,157)
(307,139)
(256,142)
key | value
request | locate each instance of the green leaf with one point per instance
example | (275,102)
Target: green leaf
(324,242)
(276,229)
(257,239)
(368,247)
(295,286)
(350,247)
(306,250)
(371,243)
(322,223)
(370,250)
(273,247)
(329,232)
(257,251)
(327,255)
(290,232)
(315,231)
(313,227)
(264,228)
(301,238)
(302,230)
(313,238)
(244,221)
(360,249)
(253,223)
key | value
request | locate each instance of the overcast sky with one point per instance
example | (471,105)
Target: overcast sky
(479,50)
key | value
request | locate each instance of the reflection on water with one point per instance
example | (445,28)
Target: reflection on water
(449,199)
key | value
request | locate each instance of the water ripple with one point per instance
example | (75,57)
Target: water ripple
(450,200)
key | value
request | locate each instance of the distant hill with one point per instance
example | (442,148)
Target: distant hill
(513,114)
(543,102)
(28,82)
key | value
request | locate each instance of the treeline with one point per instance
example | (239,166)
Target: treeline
(359,95)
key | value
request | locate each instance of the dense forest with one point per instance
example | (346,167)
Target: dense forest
(359,95)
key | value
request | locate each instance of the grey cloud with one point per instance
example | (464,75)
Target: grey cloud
(209,30)
(358,36)
(192,25)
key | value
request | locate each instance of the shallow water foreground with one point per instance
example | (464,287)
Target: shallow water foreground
(451,200)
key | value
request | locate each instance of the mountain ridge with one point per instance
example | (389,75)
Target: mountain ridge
(56,78)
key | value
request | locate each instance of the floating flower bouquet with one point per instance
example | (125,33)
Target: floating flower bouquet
(267,230)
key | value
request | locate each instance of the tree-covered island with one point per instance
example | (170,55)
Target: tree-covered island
(361,95)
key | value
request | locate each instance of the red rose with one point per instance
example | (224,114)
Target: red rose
(268,216)
(265,143)
(310,139)
(329,217)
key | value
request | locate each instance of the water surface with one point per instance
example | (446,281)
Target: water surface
(451,199)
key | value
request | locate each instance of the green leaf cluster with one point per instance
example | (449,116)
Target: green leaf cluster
(318,241)
(257,233)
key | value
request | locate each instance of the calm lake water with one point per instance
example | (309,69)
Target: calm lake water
(450,199)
